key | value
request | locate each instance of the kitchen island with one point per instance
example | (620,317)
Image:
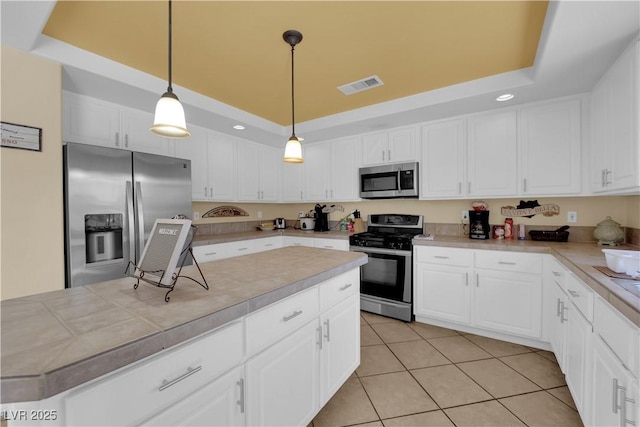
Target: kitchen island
(59,340)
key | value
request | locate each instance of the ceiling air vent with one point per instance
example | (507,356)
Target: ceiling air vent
(360,85)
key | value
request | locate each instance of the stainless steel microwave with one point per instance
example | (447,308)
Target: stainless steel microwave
(398,180)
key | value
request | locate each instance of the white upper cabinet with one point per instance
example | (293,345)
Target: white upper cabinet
(397,145)
(442,165)
(331,170)
(258,173)
(491,154)
(213,164)
(550,155)
(615,139)
(293,181)
(92,121)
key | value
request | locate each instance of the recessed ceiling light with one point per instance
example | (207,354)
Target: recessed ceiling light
(505,97)
(239,127)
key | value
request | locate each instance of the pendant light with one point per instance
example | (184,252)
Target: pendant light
(293,149)
(169,120)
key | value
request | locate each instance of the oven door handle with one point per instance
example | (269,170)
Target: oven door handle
(379,251)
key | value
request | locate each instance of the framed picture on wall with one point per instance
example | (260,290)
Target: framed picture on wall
(21,136)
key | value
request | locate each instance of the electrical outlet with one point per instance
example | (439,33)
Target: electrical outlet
(572,216)
(465,217)
(259,214)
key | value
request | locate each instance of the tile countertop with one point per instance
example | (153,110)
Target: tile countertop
(577,257)
(57,340)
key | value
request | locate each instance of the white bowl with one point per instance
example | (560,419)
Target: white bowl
(620,261)
(265,227)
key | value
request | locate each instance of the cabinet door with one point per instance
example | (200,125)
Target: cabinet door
(578,344)
(403,145)
(137,137)
(298,241)
(90,121)
(340,346)
(491,154)
(600,106)
(293,182)
(509,303)
(269,162)
(344,169)
(195,149)
(611,387)
(442,293)
(221,403)
(208,253)
(625,125)
(442,162)
(374,148)
(248,173)
(222,172)
(550,148)
(282,381)
(317,170)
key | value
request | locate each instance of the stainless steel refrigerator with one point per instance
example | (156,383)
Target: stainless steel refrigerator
(112,199)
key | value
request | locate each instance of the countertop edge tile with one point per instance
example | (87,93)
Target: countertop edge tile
(212,239)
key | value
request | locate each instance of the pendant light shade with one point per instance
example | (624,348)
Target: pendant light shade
(169,119)
(293,149)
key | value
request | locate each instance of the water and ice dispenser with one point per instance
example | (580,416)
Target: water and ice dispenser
(103,237)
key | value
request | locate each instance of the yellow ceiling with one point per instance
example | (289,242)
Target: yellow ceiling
(233,51)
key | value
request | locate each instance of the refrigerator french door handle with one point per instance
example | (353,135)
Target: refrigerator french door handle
(131,223)
(139,210)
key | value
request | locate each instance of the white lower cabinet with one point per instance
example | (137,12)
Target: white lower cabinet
(578,346)
(282,382)
(342,245)
(220,403)
(480,289)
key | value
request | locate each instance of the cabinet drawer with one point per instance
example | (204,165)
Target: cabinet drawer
(209,252)
(581,295)
(556,271)
(342,245)
(131,395)
(444,256)
(509,261)
(240,247)
(298,241)
(267,244)
(339,288)
(272,323)
(620,335)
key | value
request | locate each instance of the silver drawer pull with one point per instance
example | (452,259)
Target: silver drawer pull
(573,293)
(292,315)
(507,263)
(190,371)
(555,273)
(440,257)
(242,249)
(345,287)
(240,401)
(269,244)
(211,253)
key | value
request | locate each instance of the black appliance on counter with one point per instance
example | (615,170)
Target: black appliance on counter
(479,225)
(386,280)
(322,219)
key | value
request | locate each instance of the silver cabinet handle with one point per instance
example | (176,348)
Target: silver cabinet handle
(623,408)
(383,155)
(211,192)
(469,187)
(211,253)
(614,399)
(242,249)
(240,401)
(524,184)
(460,188)
(205,191)
(268,244)
(262,194)
(292,315)
(258,196)
(555,273)
(117,139)
(477,280)
(328,246)
(319,331)
(126,140)
(573,293)
(564,309)
(507,263)
(558,310)
(301,195)
(190,371)
(607,173)
(345,287)
(466,279)
(602,183)
(441,257)
(327,333)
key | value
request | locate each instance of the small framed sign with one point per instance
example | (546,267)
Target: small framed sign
(20,136)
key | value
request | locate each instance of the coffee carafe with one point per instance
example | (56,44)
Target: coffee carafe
(479,225)
(322,219)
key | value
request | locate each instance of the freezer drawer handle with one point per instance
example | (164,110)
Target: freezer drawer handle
(190,371)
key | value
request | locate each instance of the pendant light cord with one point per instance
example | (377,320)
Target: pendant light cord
(293,108)
(170,89)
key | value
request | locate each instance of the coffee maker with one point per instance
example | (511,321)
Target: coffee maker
(479,225)
(322,219)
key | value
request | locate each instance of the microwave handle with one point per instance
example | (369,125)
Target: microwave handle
(399,182)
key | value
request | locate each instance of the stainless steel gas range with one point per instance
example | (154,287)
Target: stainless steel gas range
(385,281)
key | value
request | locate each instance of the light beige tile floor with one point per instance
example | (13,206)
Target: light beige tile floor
(412,374)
